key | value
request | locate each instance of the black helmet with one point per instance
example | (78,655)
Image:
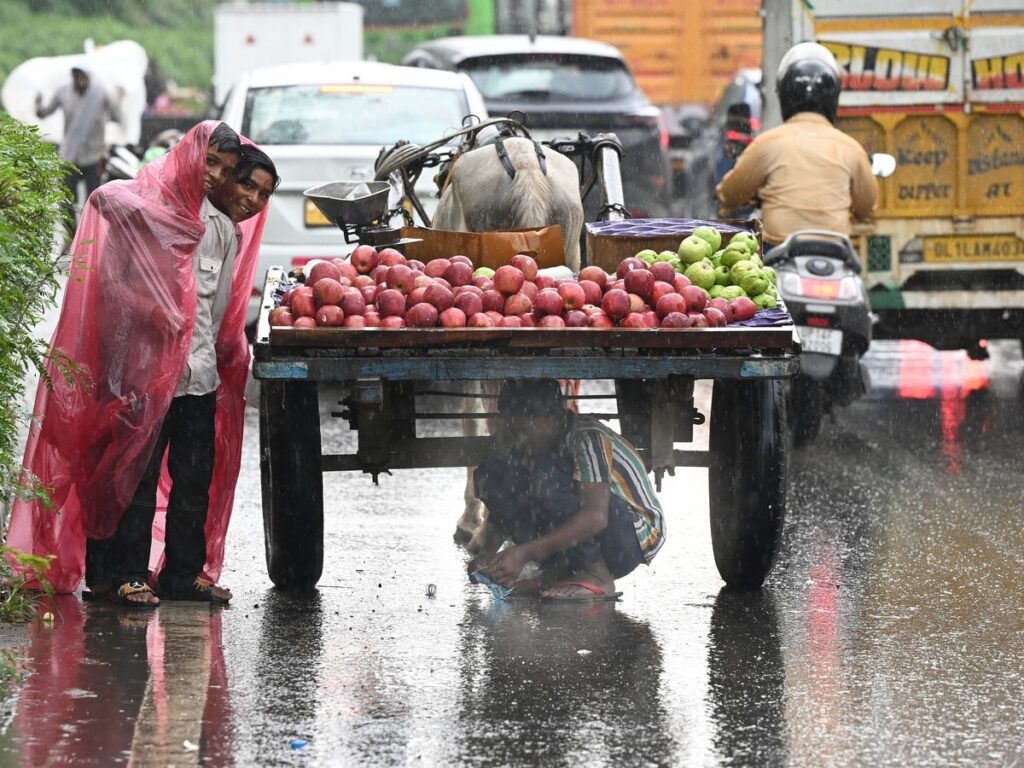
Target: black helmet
(808,81)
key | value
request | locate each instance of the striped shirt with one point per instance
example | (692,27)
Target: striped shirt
(600,455)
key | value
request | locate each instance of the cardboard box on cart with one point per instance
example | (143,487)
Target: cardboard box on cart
(487,249)
(609,242)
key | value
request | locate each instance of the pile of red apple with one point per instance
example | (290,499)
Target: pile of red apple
(383,289)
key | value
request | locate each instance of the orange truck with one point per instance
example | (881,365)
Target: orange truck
(938,84)
(680,51)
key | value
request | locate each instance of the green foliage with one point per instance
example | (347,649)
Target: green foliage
(177,34)
(17,601)
(32,196)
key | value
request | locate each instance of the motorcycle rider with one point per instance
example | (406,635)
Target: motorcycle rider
(807,173)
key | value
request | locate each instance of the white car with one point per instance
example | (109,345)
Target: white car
(328,122)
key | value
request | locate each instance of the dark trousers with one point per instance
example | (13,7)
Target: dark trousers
(530,497)
(90,174)
(187,436)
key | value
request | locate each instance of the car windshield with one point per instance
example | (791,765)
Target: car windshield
(351,114)
(550,78)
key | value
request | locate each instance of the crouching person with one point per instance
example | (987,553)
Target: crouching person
(570,493)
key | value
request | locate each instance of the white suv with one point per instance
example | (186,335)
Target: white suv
(327,122)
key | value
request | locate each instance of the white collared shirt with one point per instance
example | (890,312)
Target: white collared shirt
(213,263)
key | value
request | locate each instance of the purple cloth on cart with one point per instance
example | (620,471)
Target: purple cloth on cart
(766,318)
(659,227)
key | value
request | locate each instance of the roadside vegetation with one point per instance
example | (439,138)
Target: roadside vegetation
(32,200)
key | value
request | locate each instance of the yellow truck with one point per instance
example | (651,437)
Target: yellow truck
(679,51)
(939,84)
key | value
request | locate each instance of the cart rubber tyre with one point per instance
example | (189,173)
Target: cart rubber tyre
(292,479)
(747,478)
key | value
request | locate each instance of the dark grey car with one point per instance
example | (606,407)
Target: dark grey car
(566,85)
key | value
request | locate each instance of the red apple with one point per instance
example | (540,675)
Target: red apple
(303,305)
(452,318)
(573,295)
(591,290)
(594,275)
(422,281)
(379,274)
(518,304)
(715,317)
(355,321)
(679,282)
(369,293)
(575,318)
(329,316)
(469,303)
(436,267)
(345,268)
(614,285)
(636,303)
(463,259)
(415,297)
(525,264)
(529,320)
(722,306)
(510,321)
(327,290)
(458,273)
(360,281)
(616,304)
(670,303)
(548,302)
(493,301)
(439,296)
(696,298)
(600,320)
(479,320)
(392,322)
(304,322)
(743,308)
(416,264)
(508,280)
(675,320)
(372,319)
(421,315)
(551,321)
(281,317)
(401,278)
(495,316)
(483,282)
(697,320)
(389,257)
(364,258)
(650,318)
(353,302)
(640,282)
(662,271)
(467,289)
(628,265)
(660,289)
(633,320)
(320,270)
(530,289)
(544,281)
(390,303)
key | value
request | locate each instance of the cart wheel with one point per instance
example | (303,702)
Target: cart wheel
(747,478)
(293,506)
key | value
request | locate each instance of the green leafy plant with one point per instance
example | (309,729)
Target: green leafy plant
(33,202)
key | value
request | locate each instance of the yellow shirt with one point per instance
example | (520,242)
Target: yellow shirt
(810,175)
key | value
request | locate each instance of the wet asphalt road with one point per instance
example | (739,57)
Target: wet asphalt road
(891,632)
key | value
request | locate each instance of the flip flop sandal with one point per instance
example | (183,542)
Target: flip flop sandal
(598,593)
(200,591)
(122,596)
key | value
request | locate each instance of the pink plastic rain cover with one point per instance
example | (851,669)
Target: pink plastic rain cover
(132,257)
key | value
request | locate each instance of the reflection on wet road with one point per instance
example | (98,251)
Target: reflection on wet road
(891,632)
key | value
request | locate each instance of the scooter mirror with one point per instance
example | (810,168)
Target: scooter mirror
(883,165)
